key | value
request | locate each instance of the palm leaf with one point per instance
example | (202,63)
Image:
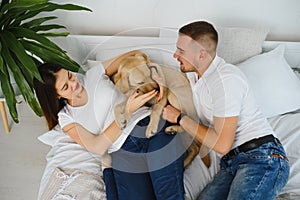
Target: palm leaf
(1,64)
(3,2)
(9,95)
(13,6)
(24,45)
(48,7)
(47,27)
(22,33)
(1,61)
(49,50)
(37,22)
(20,11)
(50,55)
(23,85)
(31,1)
(12,11)
(17,48)
(67,7)
(55,34)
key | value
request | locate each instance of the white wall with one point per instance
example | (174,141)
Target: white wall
(110,17)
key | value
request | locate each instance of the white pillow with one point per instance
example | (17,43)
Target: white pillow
(235,44)
(274,83)
(238,44)
(53,136)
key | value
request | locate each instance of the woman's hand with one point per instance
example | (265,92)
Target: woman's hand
(105,161)
(136,100)
(171,114)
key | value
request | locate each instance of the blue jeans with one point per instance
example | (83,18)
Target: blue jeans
(149,168)
(256,174)
(110,184)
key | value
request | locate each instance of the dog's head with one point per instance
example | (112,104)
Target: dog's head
(136,73)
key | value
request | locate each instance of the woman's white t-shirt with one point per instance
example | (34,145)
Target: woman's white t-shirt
(98,113)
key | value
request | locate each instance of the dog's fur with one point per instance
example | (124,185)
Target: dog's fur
(138,73)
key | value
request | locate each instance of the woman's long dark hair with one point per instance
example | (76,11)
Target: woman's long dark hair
(46,93)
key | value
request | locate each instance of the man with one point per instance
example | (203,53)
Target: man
(253,163)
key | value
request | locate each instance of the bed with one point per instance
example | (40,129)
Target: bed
(272,68)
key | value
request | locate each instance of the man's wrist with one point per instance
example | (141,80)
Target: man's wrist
(180,117)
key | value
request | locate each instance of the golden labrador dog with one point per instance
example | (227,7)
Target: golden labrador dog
(138,73)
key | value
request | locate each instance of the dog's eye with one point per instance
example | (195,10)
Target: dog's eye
(141,83)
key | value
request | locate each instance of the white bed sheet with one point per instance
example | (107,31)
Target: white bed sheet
(287,129)
(66,154)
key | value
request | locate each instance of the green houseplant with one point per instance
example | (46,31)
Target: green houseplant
(24,45)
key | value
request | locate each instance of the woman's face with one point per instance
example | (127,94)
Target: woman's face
(67,85)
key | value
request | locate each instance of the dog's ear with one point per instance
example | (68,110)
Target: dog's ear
(117,77)
(119,73)
(122,82)
(146,58)
(155,70)
(156,74)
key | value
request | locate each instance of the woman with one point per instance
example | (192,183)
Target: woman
(85,112)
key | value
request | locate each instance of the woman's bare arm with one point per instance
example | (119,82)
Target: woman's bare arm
(111,66)
(101,142)
(94,143)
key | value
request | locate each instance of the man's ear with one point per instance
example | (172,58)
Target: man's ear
(203,54)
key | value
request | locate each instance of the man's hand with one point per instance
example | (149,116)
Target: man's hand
(170,114)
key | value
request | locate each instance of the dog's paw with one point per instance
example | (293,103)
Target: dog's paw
(151,130)
(172,129)
(152,126)
(120,117)
(121,123)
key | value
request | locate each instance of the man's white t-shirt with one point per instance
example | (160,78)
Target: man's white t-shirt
(98,113)
(223,91)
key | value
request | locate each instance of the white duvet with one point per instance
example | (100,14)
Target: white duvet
(66,154)
(287,129)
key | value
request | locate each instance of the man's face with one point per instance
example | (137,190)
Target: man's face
(187,53)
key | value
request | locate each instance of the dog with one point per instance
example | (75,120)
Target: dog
(138,73)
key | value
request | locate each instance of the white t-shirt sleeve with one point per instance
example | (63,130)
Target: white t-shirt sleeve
(95,72)
(64,118)
(227,96)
